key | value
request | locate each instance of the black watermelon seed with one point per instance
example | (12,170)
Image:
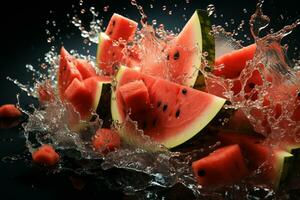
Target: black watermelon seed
(158,103)
(184,91)
(165,107)
(177,113)
(144,125)
(168,57)
(154,122)
(176,55)
(114,23)
(298,94)
(65,68)
(201,172)
(110,33)
(113,54)
(251,85)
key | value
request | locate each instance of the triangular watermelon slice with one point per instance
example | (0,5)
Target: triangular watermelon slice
(79,85)
(175,113)
(184,53)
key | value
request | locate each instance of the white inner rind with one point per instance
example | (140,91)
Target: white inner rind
(197,36)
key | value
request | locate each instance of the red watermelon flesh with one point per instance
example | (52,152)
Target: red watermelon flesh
(251,146)
(134,92)
(176,113)
(230,65)
(178,59)
(271,162)
(85,68)
(67,71)
(120,27)
(111,54)
(224,166)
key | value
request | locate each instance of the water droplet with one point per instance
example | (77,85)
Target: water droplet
(245,10)
(187,1)
(81,2)
(133,2)
(82,11)
(154,22)
(164,7)
(105,8)
(170,12)
(151,5)
(210,9)
(175,5)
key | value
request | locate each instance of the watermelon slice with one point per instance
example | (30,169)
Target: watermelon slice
(183,54)
(223,166)
(111,52)
(176,113)
(273,163)
(79,85)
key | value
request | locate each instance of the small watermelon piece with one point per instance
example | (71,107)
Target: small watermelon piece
(273,163)
(177,112)
(184,53)
(106,140)
(67,71)
(9,111)
(10,116)
(134,92)
(120,27)
(223,166)
(45,155)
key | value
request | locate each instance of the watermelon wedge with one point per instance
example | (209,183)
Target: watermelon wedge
(175,114)
(272,163)
(111,52)
(183,54)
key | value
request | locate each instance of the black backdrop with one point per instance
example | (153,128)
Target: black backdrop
(23,41)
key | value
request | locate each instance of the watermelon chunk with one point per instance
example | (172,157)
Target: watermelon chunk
(45,155)
(106,140)
(177,112)
(224,166)
(9,111)
(10,116)
(134,92)
(120,27)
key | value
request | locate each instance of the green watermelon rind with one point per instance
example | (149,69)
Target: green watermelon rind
(205,43)
(208,45)
(194,128)
(282,165)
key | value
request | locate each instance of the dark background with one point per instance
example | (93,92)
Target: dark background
(24,41)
